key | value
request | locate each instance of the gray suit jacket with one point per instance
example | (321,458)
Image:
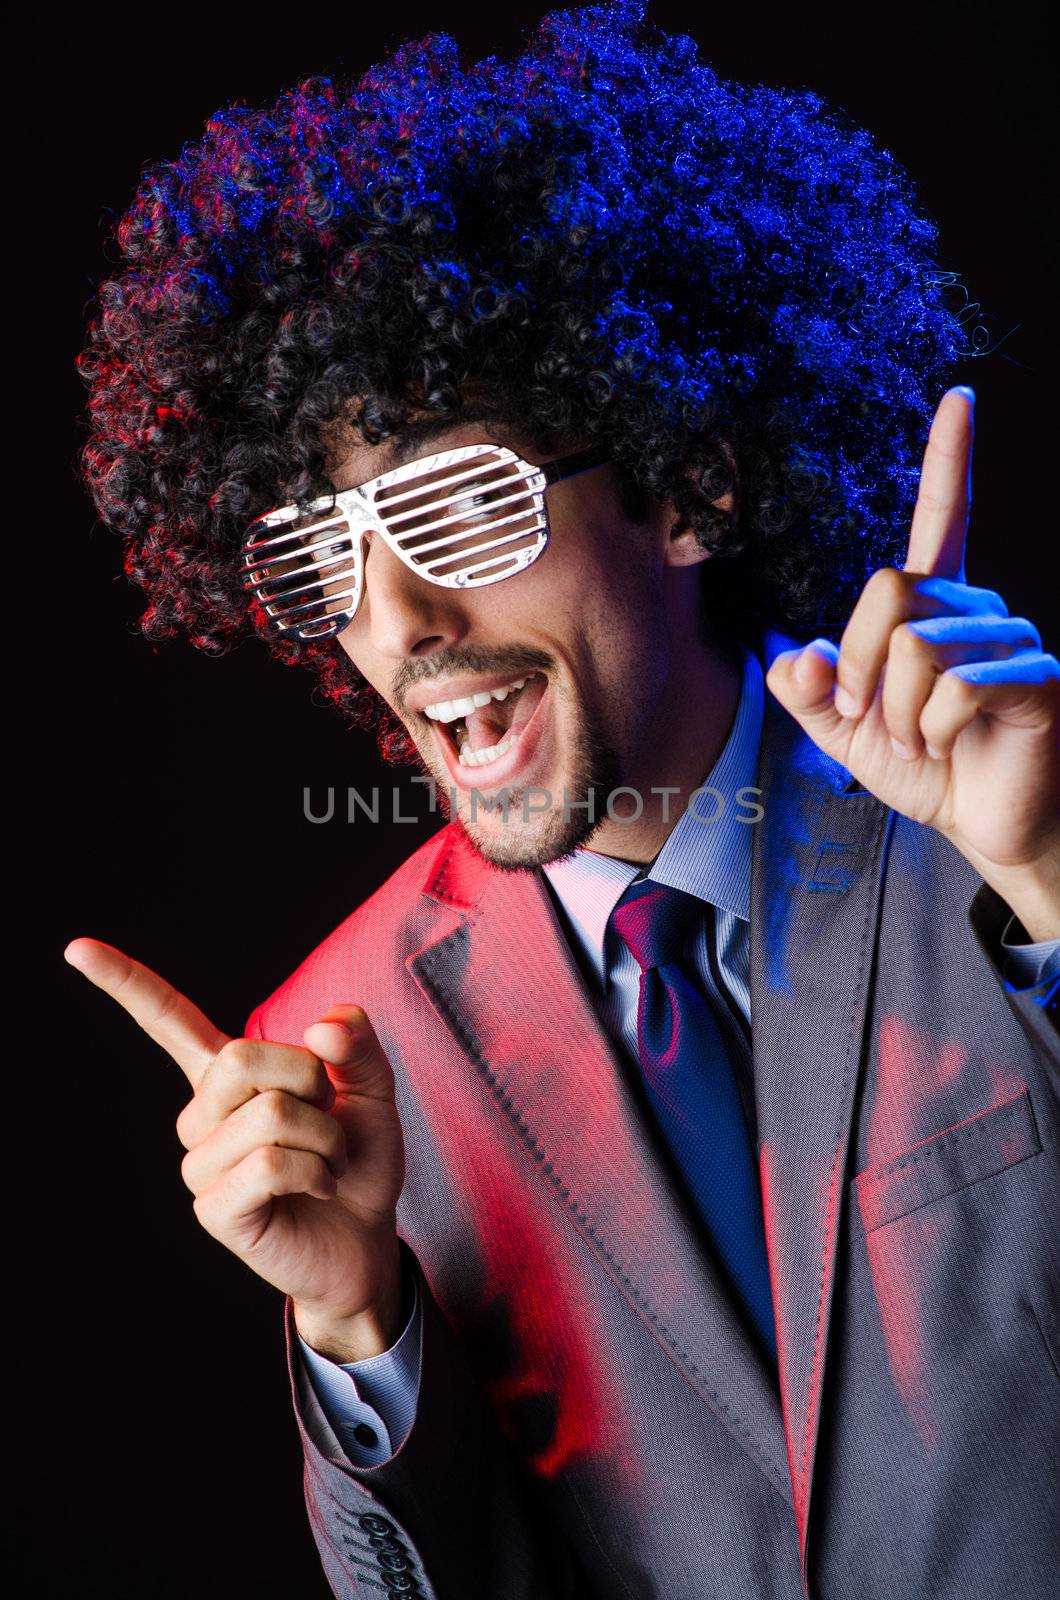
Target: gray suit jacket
(592,1421)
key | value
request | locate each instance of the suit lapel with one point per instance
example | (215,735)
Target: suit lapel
(505,982)
(815,896)
(507,986)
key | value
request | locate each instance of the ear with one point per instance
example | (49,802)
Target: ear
(683,548)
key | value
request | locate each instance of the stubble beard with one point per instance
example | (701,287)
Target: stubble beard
(531,837)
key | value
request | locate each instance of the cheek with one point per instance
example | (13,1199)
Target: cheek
(355,643)
(621,613)
(599,583)
(612,660)
(362,658)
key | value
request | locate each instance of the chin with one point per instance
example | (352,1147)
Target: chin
(521,846)
(522,843)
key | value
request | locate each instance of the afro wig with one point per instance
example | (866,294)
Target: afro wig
(599,240)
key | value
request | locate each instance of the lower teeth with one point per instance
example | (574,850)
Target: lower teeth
(491,752)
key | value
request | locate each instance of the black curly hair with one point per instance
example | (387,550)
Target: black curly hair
(598,240)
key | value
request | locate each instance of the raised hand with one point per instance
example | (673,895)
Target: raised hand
(940,703)
(295,1156)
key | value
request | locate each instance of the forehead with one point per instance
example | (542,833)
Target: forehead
(355,462)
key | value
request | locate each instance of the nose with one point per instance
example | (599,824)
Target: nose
(403,614)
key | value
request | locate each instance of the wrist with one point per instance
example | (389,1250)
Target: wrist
(344,1337)
(1031,892)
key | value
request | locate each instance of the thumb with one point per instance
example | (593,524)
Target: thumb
(804,681)
(356,1062)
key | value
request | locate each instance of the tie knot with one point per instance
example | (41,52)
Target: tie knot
(654,921)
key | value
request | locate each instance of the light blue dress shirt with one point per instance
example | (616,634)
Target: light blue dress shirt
(708,853)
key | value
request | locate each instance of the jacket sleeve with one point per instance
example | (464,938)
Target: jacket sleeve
(1036,1006)
(369,1405)
(453,1514)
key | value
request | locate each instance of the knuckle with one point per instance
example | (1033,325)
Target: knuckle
(185,1124)
(308,1078)
(274,1109)
(187,1170)
(236,1057)
(960,690)
(888,586)
(266,1162)
(907,641)
(167,1004)
(1023,628)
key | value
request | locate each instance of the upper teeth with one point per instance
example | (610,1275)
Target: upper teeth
(450,710)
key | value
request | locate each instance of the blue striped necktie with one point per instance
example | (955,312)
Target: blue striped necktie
(693,1091)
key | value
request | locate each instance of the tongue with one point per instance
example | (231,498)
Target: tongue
(489,724)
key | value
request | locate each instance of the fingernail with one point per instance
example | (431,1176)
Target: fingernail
(968,393)
(845,703)
(902,750)
(936,755)
(804,664)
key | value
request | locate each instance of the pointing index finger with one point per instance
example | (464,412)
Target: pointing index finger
(940,518)
(168,1016)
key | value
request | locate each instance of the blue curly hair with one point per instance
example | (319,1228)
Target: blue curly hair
(598,240)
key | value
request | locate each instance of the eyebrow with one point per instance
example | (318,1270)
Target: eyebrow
(409,443)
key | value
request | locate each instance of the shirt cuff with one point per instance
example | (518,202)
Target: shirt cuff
(1028,966)
(371,1404)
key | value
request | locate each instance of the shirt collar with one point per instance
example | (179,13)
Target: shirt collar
(704,857)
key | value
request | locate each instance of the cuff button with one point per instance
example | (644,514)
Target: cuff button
(373,1524)
(392,1561)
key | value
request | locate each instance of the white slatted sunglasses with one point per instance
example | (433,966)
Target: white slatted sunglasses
(462,518)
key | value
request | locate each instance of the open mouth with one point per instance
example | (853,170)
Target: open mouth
(491,738)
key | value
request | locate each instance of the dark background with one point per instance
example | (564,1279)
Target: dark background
(160,792)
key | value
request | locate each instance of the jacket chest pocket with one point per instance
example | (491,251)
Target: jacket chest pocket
(978,1148)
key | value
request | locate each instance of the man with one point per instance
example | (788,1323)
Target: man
(661,1166)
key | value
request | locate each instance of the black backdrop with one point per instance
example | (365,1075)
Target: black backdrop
(159,791)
